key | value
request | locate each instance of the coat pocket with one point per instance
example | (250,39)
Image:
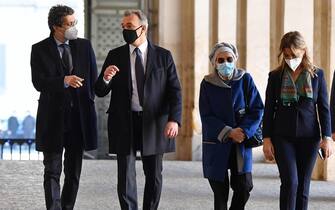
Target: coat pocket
(209,150)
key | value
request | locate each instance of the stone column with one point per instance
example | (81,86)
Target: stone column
(206,17)
(258,43)
(298,18)
(241,32)
(277,11)
(324,57)
(176,33)
(227,21)
(186,72)
(213,22)
(183,29)
(152,14)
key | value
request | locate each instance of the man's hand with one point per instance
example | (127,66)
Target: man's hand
(237,135)
(171,129)
(73,81)
(268,149)
(110,72)
(333,136)
(327,146)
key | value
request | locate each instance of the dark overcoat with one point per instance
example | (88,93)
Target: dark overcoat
(48,78)
(162,100)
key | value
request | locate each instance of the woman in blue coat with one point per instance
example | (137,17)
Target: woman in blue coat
(296,117)
(226,125)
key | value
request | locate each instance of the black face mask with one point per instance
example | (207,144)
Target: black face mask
(129,35)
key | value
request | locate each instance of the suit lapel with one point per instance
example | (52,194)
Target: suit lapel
(125,64)
(75,55)
(55,54)
(150,60)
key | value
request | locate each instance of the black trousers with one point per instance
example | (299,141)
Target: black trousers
(295,160)
(152,166)
(241,185)
(73,153)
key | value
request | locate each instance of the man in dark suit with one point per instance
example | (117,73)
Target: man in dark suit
(64,71)
(144,111)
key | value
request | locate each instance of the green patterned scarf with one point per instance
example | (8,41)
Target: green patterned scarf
(291,91)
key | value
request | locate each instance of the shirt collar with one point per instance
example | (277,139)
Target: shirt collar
(59,42)
(143,47)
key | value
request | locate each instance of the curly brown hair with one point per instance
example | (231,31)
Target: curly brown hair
(57,14)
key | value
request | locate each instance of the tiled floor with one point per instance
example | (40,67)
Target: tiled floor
(183,187)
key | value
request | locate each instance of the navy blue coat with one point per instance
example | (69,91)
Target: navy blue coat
(298,120)
(48,78)
(332,105)
(162,100)
(219,107)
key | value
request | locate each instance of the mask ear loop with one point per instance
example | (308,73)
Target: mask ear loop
(141,31)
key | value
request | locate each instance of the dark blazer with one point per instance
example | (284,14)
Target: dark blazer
(299,120)
(162,100)
(48,78)
(332,104)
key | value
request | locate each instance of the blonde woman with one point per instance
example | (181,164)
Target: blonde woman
(296,107)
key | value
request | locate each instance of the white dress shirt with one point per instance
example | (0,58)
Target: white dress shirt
(60,49)
(135,102)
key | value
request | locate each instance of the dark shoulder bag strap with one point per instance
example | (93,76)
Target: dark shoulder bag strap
(245,93)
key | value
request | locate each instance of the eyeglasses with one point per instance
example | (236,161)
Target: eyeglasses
(222,60)
(71,24)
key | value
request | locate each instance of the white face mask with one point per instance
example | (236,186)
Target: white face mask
(293,63)
(71,33)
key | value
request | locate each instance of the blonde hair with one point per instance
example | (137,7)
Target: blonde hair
(294,40)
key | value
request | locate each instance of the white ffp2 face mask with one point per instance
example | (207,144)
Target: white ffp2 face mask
(293,63)
(71,33)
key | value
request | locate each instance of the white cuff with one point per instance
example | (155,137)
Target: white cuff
(106,81)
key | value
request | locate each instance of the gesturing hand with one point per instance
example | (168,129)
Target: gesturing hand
(73,81)
(110,72)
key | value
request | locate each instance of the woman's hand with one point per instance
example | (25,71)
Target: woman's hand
(327,146)
(237,135)
(268,149)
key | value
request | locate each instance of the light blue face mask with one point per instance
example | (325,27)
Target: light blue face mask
(226,68)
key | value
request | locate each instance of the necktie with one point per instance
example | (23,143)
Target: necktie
(67,59)
(139,71)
